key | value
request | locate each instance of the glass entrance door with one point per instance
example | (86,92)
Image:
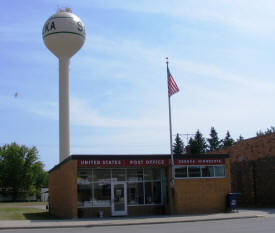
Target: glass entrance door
(119,199)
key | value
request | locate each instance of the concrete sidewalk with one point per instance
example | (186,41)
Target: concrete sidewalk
(120,221)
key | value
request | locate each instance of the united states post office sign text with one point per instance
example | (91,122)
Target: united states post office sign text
(123,163)
(145,162)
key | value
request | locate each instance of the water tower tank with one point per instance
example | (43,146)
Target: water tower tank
(64,33)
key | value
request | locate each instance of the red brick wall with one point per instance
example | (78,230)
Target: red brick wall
(253,170)
(255,180)
(251,149)
(242,176)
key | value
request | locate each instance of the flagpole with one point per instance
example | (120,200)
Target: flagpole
(172,184)
(170,128)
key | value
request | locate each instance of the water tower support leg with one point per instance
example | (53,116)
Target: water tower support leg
(64,109)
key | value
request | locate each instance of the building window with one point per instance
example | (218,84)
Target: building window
(194,171)
(135,175)
(219,171)
(118,174)
(151,174)
(84,195)
(207,171)
(152,193)
(144,186)
(181,172)
(152,177)
(135,193)
(84,187)
(102,195)
(102,175)
(185,172)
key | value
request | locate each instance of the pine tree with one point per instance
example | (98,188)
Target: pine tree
(240,138)
(213,141)
(198,144)
(259,133)
(228,140)
(268,131)
(178,147)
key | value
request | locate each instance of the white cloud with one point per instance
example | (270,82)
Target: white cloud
(47,110)
(150,59)
(250,15)
(130,141)
(82,114)
(16,32)
(211,71)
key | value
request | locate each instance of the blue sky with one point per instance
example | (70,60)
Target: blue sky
(221,55)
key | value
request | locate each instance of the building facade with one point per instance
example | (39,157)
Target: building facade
(120,185)
(253,170)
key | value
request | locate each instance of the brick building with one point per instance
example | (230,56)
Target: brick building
(253,170)
(84,185)
(251,149)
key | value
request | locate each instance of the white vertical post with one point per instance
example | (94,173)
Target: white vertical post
(171,146)
(64,109)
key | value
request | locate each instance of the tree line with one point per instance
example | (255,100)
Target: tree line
(266,132)
(21,172)
(198,144)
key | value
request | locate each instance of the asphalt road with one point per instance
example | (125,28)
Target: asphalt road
(262,225)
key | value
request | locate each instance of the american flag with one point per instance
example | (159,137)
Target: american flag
(172,86)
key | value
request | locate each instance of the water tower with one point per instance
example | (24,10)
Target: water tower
(64,34)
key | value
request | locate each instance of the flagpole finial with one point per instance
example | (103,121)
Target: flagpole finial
(166,60)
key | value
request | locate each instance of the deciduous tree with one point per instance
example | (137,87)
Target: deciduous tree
(20,170)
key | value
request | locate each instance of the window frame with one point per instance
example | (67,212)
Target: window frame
(200,177)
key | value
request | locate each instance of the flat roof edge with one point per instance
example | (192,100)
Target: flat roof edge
(146,156)
(136,156)
(60,164)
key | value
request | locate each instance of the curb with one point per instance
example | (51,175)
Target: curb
(130,223)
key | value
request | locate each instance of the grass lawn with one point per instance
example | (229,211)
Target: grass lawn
(24,211)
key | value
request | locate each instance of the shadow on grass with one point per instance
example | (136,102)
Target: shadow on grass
(40,216)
